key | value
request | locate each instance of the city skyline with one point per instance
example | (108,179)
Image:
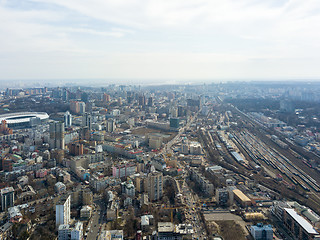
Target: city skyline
(167,41)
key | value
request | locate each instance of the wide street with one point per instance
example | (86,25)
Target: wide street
(95,221)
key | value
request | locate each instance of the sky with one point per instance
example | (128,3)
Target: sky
(167,41)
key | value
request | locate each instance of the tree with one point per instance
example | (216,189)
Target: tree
(131,225)
(170,191)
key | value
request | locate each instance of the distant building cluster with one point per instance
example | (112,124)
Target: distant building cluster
(165,162)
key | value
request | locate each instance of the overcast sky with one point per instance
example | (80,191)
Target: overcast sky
(160,39)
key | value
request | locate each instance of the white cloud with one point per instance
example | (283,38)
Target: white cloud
(207,36)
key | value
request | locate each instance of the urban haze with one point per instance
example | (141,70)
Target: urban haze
(169,120)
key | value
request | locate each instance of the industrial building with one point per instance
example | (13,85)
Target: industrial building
(237,157)
(241,198)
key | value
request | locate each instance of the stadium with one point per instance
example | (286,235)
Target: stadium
(24,119)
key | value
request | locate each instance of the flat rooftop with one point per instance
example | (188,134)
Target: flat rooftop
(301,221)
(165,227)
(241,195)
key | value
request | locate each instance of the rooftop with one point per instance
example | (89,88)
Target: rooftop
(63,199)
(165,227)
(241,195)
(7,190)
(301,221)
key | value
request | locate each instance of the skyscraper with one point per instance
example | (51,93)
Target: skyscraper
(106,98)
(7,198)
(67,119)
(150,101)
(155,186)
(111,125)
(74,107)
(87,120)
(82,107)
(63,210)
(142,100)
(56,135)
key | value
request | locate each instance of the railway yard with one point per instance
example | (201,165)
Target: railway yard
(253,150)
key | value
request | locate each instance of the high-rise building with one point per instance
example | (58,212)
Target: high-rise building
(76,149)
(142,100)
(111,126)
(7,198)
(56,135)
(154,185)
(173,111)
(150,101)
(174,123)
(82,107)
(67,119)
(65,95)
(75,106)
(87,120)
(63,211)
(106,98)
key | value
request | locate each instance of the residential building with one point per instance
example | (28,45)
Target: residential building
(111,126)
(124,170)
(154,185)
(224,196)
(67,119)
(87,120)
(111,235)
(66,232)
(63,211)
(59,187)
(56,135)
(261,232)
(85,212)
(14,214)
(7,198)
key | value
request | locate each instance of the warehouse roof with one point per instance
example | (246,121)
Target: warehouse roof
(237,156)
(241,195)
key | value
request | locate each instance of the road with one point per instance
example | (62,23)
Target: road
(95,222)
(191,213)
(189,199)
(174,140)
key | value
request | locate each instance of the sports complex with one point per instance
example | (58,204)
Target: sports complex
(24,119)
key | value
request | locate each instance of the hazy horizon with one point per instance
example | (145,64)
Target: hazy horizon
(144,83)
